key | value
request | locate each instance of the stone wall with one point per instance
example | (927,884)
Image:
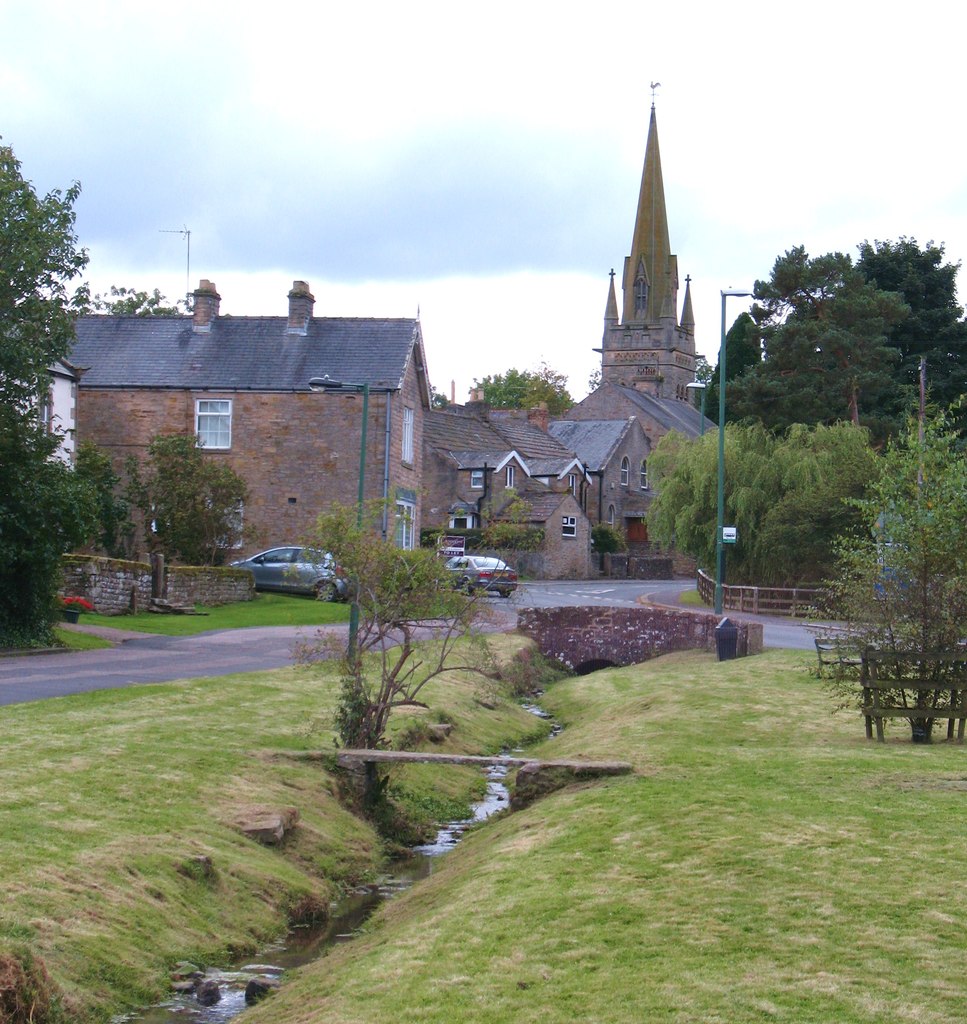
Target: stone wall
(115,586)
(639,567)
(598,636)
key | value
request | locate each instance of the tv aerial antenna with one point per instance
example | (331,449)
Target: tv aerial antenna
(186,235)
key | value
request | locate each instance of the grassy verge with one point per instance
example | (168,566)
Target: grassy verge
(264,610)
(108,799)
(766,863)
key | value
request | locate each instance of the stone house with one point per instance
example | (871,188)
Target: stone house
(614,454)
(241,385)
(477,460)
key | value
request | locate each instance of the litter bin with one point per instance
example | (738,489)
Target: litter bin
(726,640)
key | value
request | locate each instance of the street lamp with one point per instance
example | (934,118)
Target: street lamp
(327,384)
(697,385)
(720,520)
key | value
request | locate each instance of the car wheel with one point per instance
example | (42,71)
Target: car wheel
(326,591)
(504,592)
(466,586)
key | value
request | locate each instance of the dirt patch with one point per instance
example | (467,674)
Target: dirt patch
(27,994)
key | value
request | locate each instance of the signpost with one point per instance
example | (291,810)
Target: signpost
(729,534)
(451,545)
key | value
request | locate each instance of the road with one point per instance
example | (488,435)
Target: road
(140,658)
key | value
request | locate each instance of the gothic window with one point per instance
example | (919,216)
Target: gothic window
(625,471)
(641,289)
(643,474)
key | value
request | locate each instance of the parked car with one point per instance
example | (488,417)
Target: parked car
(482,572)
(296,570)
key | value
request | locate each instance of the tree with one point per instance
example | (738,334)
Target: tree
(824,332)
(901,584)
(438,400)
(742,351)
(399,593)
(191,503)
(130,302)
(114,528)
(526,389)
(902,575)
(788,495)
(44,508)
(935,328)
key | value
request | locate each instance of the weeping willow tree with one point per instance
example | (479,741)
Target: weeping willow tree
(789,496)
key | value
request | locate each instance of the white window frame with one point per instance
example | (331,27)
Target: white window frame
(213,426)
(405,523)
(510,476)
(611,515)
(572,483)
(477,479)
(569,526)
(407,452)
(625,471)
(643,474)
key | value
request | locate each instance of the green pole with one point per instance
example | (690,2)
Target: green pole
(360,501)
(720,518)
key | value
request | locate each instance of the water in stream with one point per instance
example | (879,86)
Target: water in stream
(303,945)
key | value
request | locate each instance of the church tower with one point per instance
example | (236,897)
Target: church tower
(650,348)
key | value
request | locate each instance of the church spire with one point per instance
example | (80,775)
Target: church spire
(688,317)
(648,283)
(611,310)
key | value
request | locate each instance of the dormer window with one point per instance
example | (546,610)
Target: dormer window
(510,477)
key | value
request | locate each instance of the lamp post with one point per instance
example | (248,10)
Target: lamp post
(720,520)
(327,384)
(697,385)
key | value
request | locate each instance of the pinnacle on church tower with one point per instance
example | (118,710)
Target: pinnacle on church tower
(650,349)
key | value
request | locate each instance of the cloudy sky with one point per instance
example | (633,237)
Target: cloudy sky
(481,163)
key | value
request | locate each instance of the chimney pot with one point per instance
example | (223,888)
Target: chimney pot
(207,301)
(301,302)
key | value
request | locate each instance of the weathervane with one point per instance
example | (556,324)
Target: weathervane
(654,86)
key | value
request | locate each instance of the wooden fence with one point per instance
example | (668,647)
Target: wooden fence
(790,601)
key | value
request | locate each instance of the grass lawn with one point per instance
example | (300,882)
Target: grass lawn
(765,863)
(107,799)
(264,610)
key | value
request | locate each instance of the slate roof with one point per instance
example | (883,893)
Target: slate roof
(468,440)
(243,353)
(593,441)
(671,414)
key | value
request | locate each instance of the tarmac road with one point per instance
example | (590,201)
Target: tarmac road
(139,658)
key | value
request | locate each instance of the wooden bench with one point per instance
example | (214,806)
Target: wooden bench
(839,652)
(919,687)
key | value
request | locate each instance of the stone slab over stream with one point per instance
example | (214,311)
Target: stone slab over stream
(534,778)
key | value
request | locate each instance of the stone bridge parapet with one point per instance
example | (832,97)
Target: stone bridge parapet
(589,638)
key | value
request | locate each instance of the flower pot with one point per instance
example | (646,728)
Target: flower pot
(70,614)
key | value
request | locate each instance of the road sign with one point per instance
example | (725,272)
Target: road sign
(729,534)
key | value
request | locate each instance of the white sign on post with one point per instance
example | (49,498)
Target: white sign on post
(729,534)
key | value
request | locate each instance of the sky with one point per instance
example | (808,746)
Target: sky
(480,165)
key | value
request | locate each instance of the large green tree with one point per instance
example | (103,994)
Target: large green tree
(525,389)
(788,495)
(934,329)
(824,330)
(44,508)
(191,504)
(742,351)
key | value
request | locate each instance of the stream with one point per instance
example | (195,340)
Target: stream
(305,944)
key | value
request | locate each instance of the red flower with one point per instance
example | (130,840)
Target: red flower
(80,604)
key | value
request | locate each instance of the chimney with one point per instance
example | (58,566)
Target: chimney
(207,301)
(301,301)
(538,416)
